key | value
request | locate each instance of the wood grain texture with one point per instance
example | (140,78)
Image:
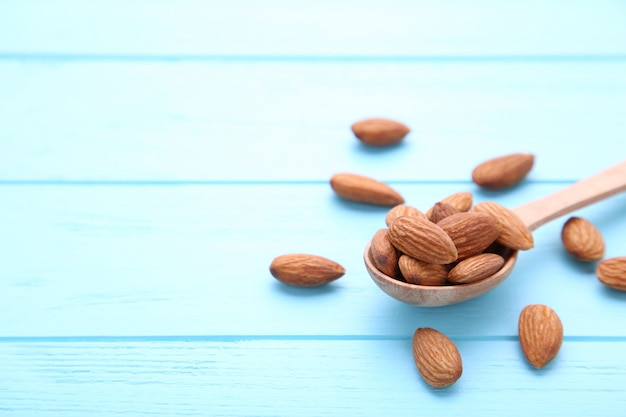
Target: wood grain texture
(225,121)
(346,27)
(155,156)
(301,378)
(194,260)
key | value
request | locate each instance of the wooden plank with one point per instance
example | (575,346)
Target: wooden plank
(335,28)
(267,121)
(302,378)
(193,260)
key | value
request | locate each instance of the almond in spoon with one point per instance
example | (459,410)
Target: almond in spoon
(423,240)
(475,268)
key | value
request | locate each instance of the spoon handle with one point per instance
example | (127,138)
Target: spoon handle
(580,194)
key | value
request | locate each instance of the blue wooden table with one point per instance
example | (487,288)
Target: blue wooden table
(155,156)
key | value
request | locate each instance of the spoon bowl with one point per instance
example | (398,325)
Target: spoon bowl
(534,214)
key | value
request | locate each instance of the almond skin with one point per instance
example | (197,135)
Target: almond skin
(423,240)
(475,268)
(504,171)
(442,210)
(582,240)
(514,233)
(471,232)
(384,254)
(380,132)
(304,270)
(612,272)
(540,334)
(419,272)
(437,358)
(462,201)
(402,210)
(364,189)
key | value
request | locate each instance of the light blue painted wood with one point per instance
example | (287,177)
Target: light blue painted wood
(302,378)
(291,121)
(180,145)
(194,260)
(344,28)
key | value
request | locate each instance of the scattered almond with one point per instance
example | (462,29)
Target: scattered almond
(437,358)
(514,233)
(384,254)
(475,268)
(419,272)
(422,239)
(402,210)
(442,210)
(304,270)
(380,132)
(582,240)
(504,171)
(612,272)
(364,189)
(471,232)
(540,334)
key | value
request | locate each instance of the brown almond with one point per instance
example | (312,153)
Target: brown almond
(380,132)
(540,334)
(304,270)
(422,239)
(384,254)
(475,268)
(582,240)
(402,210)
(471,232)
(364,189)
(504,171)
(437,358)
(514,233)
(441,211)
(612,272)
(462,201)
(419,272)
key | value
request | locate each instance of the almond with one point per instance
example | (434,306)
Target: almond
(471,232)
(422,239)
(384,254)
(419,272)
(462,201)
(540,334)
(304,270)
(379,132)
(442,210)
(475,268)
(437,358)
(582,240)
(514,234)
(504,171)
(612,272)
(402,210)
(363,189)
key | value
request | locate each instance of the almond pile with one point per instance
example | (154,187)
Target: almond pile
(453,243)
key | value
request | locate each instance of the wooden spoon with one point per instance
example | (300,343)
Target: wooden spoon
(534,214)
